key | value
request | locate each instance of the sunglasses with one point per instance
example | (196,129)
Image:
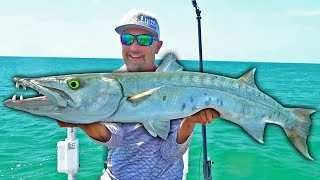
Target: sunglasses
(142,39)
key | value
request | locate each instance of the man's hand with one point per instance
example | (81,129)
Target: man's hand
(63,124)
(204,116)
(96,130)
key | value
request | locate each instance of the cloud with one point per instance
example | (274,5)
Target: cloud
(304,12)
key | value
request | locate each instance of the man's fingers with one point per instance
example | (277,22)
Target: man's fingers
(63,124)
(205,116)
(60,123)
(209,114)
(202,116)
(213,113)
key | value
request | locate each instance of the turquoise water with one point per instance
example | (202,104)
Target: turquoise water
(28,143)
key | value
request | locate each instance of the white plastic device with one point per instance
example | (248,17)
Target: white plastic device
(68,154)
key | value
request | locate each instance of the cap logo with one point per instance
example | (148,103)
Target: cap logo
(144,20)
(147,21)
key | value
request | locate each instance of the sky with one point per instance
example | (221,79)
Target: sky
(242,30)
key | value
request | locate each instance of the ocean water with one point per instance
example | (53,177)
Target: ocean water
(28,142)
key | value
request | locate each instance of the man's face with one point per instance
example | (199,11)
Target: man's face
(140,58)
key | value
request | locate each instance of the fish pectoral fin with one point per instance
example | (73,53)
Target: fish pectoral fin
(143,96)
(159,128)
(248,78)
(254,128)
(169,64)
(150,129)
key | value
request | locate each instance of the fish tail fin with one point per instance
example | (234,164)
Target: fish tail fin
(298,135)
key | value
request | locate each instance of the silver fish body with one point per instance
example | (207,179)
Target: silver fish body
(155,98)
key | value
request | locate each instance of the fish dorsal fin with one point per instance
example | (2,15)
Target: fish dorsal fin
(248,78)
(144,95)
(169,64)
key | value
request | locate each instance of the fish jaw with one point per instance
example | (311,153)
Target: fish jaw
(51,100)
(96,99)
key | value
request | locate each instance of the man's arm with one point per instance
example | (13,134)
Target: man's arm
(179,137)
(96,131)
(204,117)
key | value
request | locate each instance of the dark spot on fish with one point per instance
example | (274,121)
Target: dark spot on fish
(219,102)
(205,94)
(194,108)
(191,100)
(207,103)
(60,108)
(164,98)
(286,121)
(183,107)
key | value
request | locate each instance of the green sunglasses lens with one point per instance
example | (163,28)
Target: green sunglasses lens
(144,40)
(127,39)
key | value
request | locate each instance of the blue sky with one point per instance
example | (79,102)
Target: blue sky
(243,30)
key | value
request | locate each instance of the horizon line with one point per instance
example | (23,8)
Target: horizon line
(207,60)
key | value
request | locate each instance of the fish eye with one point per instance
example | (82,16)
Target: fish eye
(73,84)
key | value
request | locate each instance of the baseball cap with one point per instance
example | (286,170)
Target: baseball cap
(140,19)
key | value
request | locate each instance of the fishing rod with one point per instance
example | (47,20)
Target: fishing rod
(206,160)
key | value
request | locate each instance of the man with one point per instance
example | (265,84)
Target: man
(133,152)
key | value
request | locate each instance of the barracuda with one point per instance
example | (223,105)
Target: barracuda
(155,98)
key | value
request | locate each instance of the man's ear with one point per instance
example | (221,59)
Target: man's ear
(159,44)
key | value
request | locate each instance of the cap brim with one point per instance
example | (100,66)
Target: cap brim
(122,28)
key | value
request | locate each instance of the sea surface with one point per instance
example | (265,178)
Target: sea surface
(28,142)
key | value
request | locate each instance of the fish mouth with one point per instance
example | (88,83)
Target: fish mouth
(48,96)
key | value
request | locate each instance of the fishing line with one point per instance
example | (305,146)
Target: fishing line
(200,154)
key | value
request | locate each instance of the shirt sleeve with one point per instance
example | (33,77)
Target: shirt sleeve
(170,149)
(116,135)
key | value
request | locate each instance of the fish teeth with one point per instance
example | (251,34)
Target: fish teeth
(21,97)
(18,86)
(14,97)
